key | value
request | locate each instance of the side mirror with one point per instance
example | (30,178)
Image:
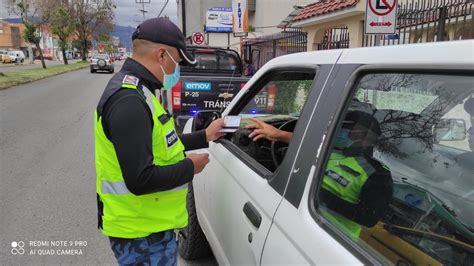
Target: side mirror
(203,119)
(450,130)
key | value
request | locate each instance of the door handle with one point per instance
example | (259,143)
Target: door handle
(252,214)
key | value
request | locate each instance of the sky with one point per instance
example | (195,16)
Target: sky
(127,12)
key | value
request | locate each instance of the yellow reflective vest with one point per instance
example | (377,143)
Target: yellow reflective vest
(121,213)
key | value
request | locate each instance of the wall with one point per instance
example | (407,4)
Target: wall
(6,38)
(270,13)
(354,24)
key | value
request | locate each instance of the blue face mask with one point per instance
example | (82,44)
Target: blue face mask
(342,140)
(169,80)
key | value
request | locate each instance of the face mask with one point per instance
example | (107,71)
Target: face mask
(169,80)
(342,140)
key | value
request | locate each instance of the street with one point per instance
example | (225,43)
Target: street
(37,64)
(47,196)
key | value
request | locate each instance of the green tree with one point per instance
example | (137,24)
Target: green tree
(34,14)
(91,16)
(63,26)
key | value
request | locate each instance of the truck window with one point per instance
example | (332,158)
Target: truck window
(393,184)
(215,61)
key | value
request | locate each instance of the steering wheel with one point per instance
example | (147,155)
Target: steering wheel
(279,148)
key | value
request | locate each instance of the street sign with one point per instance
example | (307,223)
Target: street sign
(239,16)
(381,17)
(198,38)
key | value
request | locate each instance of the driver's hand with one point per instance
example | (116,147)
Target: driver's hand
(263,130)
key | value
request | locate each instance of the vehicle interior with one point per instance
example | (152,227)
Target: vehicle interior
(279,103)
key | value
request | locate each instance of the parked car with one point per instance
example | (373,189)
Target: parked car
(211,84)
(101,62)
(17,56)
(263,202)
(5,58)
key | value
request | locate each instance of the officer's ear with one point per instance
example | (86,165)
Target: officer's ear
(160,54)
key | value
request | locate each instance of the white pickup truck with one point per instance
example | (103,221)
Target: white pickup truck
(260,202)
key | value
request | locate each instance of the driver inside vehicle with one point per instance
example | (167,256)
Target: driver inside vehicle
(357,189)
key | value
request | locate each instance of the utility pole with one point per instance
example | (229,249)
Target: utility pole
(183,16)
(143,2)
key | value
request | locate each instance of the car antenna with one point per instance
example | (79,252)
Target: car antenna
(227,91)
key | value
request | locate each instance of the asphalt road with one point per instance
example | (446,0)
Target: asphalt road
(47,182)
(37,64)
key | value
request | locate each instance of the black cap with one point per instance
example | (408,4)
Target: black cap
(364,119)
(162,30)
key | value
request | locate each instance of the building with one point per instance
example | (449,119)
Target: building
(264,16)
(11,35)
(340,23)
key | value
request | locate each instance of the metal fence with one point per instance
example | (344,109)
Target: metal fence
(262,49)
(429,21)
(335,38)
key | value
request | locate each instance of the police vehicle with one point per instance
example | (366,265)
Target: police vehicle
(260,202)
(210,85)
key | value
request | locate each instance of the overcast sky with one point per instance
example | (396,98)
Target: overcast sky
(127,12)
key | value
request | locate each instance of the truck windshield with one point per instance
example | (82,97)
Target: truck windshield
(215,61)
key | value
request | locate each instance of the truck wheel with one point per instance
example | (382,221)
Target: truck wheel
(192,241)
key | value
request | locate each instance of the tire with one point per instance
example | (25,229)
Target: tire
(92,70)
(192,241)
(112,70)
(22,60)
(101,63)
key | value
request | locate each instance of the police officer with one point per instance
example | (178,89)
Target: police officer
(356,188)
(142,171)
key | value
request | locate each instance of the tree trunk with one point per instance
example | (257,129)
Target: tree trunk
(31,55)
(41,54)
(63,49)
(84,49)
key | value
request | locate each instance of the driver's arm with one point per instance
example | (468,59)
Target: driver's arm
(264,130)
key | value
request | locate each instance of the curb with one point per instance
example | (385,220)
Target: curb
(28,81)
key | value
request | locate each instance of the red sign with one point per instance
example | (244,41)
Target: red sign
(381,17)
(198,38)
(381,24)
(382,7)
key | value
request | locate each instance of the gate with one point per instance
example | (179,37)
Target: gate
(428,21)
(335,38)
(262,49)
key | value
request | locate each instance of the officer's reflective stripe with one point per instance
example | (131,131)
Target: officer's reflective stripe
(115,188)
(129,86)
(149,99)
(119,188)
(178,188)
(365,165)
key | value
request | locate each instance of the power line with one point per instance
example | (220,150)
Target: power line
(163,8)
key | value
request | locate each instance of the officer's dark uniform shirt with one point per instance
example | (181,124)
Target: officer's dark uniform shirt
(128,124)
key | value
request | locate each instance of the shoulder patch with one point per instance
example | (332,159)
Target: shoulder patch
(171,139)
(132,80)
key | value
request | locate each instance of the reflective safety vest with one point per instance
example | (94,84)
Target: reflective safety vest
(344,177)
(121,213)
